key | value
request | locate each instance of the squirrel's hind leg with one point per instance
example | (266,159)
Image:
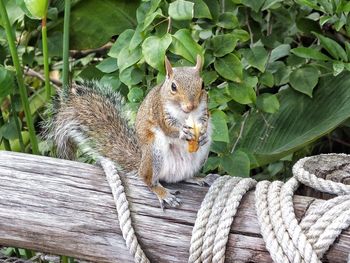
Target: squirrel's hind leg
(150,166)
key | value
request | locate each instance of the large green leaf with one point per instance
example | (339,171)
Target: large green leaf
(181,10)
(7,82)
(94,22)
(256,57)
(220,130)
(333,47)
(37,8)
(223,44)
(229,67)
(236,164)
(153,50)
(299,121)
(184,45)
(304,79)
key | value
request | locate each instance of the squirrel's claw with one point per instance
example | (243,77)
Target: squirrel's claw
(202,181)
(169,199)
(187,133)
(203,139)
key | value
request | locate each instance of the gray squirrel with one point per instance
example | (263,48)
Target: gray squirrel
(171,138)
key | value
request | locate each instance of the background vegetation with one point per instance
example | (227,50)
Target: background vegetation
(277,72)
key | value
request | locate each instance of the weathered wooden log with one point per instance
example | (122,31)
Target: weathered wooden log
(64,207)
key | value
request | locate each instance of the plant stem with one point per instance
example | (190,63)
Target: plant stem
(14,115)
(19,74)
(5,141)
(64,259)
(65,72)
(46,58)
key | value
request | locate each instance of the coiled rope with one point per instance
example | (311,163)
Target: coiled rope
(286,239)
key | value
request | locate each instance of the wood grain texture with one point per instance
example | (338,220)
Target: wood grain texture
(65,207)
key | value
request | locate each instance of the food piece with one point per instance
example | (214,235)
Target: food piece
(193,145)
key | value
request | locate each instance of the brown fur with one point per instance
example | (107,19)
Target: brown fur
(151,114)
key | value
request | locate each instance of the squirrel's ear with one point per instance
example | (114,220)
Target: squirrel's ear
(199,63)
(168,67)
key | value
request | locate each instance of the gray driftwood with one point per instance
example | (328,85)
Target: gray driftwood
(65,207)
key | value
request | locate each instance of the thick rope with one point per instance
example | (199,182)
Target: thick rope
(286,239)
(214,218)
(123,211)
(307,241)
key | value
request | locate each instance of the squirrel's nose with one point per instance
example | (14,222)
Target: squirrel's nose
(188,107)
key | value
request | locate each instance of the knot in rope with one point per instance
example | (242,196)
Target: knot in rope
(286,239)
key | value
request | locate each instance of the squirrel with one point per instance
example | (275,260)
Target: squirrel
(93,118)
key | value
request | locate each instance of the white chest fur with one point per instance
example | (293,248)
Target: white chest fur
(178,163)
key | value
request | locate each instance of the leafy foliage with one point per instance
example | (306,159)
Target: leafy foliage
(276,71)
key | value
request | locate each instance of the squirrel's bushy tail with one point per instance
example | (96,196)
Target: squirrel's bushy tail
(93,118)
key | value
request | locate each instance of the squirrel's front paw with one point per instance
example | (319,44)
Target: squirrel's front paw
(203,137)
(187,133)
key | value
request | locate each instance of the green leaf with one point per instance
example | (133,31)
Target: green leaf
(333,47)
(338,67)
(229,67)
(309,3)
(299,121)
(304,79)
(254,4)
(236,164)
(37,8)
(181,10)
(137,38)
(149,19)
(135,94)
(223,44)
(271,4)
(209,77)
(145,9)
(108,65)
(256,57)
(131,76)
(111,80)
(153,50)
(201,10)
(122,41)
(267,79)
(9,130)
(217,97)
(6,82)
(309,53)
(241,35)
(94,22)
(268,103)
(228,20)
(242,93)
(211,164)
(220,130)
(128,57)
(279,52)
(184,45)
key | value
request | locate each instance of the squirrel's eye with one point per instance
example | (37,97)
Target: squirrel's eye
(203,85)
(173,87)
